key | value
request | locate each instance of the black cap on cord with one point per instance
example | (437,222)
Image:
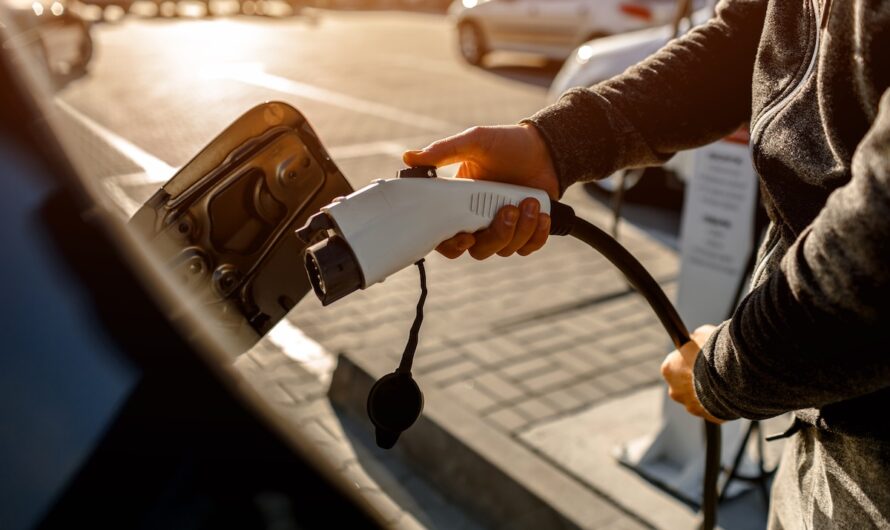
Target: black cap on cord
(394,404)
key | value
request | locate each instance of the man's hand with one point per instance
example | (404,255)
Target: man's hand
(515,154)
(677,371)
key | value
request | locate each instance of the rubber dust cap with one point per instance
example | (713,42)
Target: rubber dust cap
(394,404)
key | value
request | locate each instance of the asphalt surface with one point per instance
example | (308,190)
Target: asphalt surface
(168,86)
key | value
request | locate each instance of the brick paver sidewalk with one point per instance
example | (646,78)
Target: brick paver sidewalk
(518,341)
(404,499)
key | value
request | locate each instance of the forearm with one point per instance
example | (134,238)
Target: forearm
(694,91)
(816,332)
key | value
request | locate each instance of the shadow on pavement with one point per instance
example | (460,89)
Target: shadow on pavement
(402,483)
(746,512)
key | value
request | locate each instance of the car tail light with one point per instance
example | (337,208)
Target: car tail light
(636,11)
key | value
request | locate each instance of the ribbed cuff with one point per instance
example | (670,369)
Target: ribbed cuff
(704,382)
(579,135)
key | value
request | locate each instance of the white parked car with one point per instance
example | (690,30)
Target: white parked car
(552,28)
(601,59)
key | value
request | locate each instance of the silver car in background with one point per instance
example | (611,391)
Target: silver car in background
(551,28)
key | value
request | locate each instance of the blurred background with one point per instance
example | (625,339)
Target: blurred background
(541,374)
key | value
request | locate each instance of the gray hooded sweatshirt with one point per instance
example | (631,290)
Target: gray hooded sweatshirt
(811,78)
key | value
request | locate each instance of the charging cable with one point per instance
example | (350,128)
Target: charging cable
(395,401)
(567,223)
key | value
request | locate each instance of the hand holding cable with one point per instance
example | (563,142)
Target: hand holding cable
(677,371)
(353,247)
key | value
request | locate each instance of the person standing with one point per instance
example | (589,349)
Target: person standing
(812,337)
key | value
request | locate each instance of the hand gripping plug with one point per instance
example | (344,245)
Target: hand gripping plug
(390,224)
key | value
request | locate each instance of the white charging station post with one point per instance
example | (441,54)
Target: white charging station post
(716,238)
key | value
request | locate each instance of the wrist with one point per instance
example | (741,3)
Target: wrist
(577,131)
(706,386)
(545,168)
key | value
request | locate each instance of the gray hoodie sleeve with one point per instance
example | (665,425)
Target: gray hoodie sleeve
(816,332)
(705,94)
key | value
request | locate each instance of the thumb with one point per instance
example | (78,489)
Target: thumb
(451,150)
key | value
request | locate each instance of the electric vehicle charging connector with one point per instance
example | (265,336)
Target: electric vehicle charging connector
(378,230)
(390,224)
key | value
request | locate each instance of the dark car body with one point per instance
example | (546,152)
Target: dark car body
(119,408)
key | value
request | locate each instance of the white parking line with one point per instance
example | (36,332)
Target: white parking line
(296,345)
(394,147)
(257,77)
(345,152)
(119,195)
(156,169)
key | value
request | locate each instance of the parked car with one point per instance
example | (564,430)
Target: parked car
(551,28)
(48,32)
(601,59)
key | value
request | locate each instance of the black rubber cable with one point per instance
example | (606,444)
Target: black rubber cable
(565,222)
(645,284)
(636,275)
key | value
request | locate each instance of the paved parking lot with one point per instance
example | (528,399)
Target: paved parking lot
(518,342)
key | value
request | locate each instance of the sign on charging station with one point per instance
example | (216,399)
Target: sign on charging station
(716,239)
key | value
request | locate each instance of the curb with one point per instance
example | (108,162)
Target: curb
(595,456)
(486,472)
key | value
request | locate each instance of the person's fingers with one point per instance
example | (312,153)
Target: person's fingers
(674,370)
(712,419)
(542,232)
(454,247)
(680,386)
(497,235)
(694,407)
(689,350)
(447,151)
(525,228)
(703,333)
